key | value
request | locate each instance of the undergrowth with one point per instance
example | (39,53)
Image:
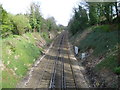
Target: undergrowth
(104,41)
(18,55)
(100,40)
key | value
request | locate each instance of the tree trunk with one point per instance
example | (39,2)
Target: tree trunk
(116,9)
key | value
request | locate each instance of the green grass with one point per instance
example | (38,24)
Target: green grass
(18,54)
(117,70)
(9,80)
(0,62)
(100,40)
(109,62)
(106,28)
(104,41)
(45,36)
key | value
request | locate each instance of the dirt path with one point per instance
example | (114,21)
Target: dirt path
(57,69)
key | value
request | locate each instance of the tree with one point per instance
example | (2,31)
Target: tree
(22,23)
(79,20)
(61,27)
(51,23)
(35,17)
(92,13)
(6,25)
(108,11)
(102,11)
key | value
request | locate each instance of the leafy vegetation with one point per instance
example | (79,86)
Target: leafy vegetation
(21,23)
(18,53)
(103,43)
(117,70)
(45,35)
(93,13)
(101,40)
(6,27)
(21,34)
(110,62)
(29,22)
(103,19)
(78,21)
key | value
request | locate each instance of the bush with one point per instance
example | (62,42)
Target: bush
(45,35)
(21,23)
(7,26)
(117,70)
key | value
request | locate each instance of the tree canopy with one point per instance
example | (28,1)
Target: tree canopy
(93,13)
(29,22)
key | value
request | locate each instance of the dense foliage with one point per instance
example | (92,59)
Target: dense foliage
(24,38)
(104,38)
(22,23)
(7,26)
(93,13)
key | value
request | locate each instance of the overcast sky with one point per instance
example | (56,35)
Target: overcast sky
(61,10)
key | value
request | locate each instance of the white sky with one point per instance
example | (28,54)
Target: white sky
(61,10)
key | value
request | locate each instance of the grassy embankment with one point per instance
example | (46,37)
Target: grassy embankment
(104,42)
(18,55)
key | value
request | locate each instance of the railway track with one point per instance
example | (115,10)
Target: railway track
(63,78)
(56,70)
(68,71)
